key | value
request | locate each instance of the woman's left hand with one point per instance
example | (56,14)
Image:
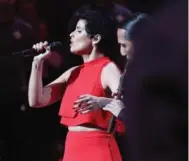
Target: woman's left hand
(86,103)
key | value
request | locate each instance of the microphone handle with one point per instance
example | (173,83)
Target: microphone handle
(28,52)
(33,52)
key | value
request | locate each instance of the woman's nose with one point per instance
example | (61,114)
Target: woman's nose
(71,34)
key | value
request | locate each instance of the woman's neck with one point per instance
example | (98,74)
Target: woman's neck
(92,56)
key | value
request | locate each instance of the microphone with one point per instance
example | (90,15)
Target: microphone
(112,122)
(33,52)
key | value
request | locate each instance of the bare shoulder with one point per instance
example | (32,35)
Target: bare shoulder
(110,68)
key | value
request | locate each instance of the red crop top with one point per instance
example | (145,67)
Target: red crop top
(86,79)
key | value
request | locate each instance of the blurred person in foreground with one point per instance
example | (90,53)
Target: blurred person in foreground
(156,87)
(94,39)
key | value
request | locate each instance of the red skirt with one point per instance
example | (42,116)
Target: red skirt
(91,146)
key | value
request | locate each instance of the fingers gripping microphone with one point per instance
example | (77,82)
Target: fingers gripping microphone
(33,52)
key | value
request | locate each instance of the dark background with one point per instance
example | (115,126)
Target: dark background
(35,134)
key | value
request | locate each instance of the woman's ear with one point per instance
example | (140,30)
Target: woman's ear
(96,39)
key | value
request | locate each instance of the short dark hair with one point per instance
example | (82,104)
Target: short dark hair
(132,23)
(100,20)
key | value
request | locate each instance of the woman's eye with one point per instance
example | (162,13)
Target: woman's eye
(123,45)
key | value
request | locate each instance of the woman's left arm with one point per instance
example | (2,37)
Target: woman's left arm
(110,79)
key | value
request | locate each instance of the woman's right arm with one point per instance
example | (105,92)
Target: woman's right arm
(39,96)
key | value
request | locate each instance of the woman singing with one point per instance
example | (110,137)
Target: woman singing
(94,39)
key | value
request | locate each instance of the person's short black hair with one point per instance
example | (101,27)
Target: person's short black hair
(99,20)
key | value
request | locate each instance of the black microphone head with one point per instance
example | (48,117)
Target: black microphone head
(55,44)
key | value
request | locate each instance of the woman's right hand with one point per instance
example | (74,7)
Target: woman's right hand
(40,47)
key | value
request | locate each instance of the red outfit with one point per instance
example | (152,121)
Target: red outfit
(91,146)
(86,79)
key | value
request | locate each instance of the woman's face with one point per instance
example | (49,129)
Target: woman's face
(81,43)
(125,45)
